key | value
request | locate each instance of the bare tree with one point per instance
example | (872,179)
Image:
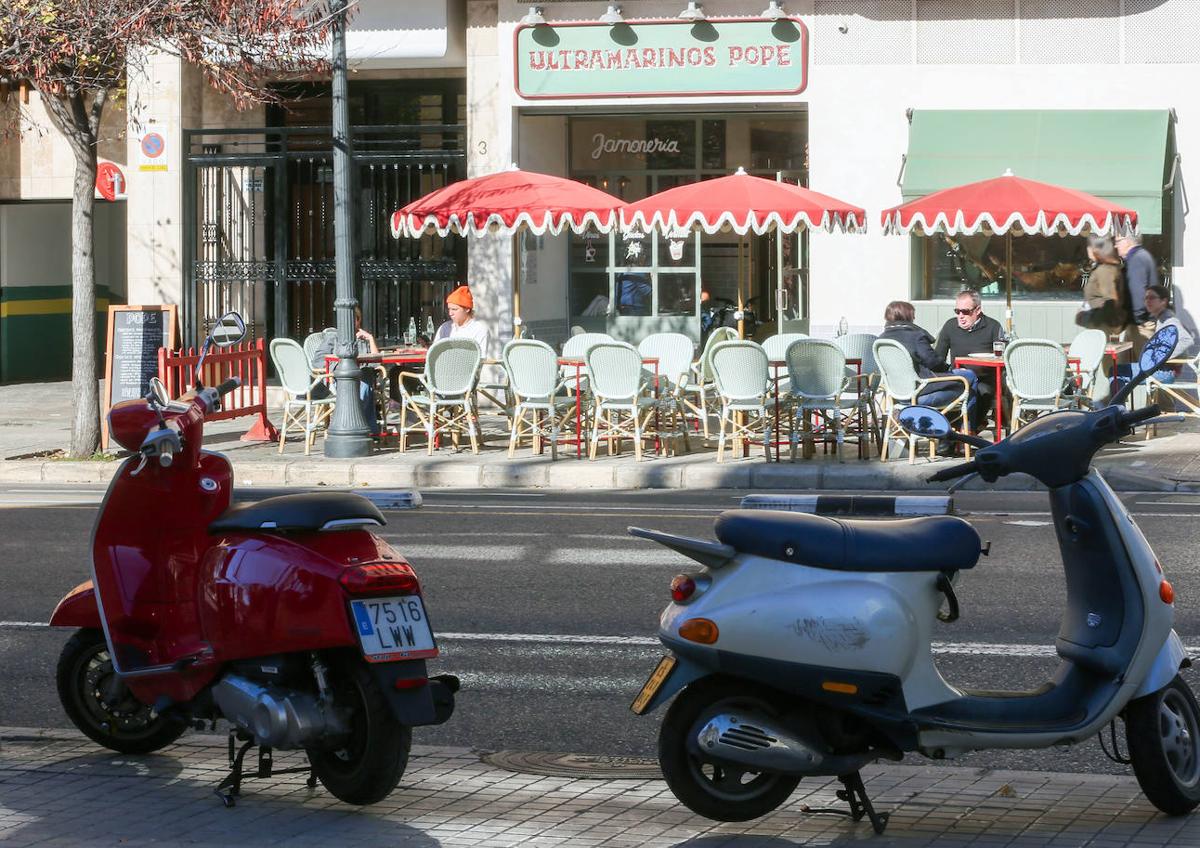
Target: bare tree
(77,53)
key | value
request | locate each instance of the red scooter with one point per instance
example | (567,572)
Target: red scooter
(286,617)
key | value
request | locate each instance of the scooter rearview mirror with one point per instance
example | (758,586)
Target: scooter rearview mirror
(229,330)
(159,392)
(1157,351)
(924,421)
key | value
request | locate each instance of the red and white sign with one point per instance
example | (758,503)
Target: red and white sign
(110,181)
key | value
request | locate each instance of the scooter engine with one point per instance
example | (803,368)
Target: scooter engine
(276,716)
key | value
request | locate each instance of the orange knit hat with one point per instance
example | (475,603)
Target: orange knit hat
(461,296)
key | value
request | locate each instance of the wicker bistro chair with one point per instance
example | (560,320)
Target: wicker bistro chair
(533,379)
(674,354)
(817,384)
(900,387)
(1034,371)
(448,384)
(576,347)
(776,348)
(300,409)
(743,384)
(700,382)
(1088,347)
(863,386)
(620,409)
(1177,392)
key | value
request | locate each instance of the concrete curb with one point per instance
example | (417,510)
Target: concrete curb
(570,473)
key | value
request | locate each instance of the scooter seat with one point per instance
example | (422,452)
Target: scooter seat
(933,543)
(316,511)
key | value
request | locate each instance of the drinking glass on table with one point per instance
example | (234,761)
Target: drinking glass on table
(998,347)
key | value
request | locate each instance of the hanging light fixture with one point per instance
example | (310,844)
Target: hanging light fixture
(693,12)
(613,15)
(534,16)
(774,11)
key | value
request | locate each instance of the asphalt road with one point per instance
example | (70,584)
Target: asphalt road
(547,609)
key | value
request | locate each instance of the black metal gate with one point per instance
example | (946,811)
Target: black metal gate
(258,227)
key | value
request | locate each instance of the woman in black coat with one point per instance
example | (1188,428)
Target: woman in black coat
(898,326)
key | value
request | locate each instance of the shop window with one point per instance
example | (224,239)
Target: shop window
(1044,268)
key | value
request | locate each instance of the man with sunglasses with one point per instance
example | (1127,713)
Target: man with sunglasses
(968,332)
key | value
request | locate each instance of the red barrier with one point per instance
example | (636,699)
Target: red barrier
(247,362)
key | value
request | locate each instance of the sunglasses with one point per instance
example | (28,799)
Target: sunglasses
(964,311)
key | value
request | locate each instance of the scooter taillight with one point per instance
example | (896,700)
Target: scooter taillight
(378,577)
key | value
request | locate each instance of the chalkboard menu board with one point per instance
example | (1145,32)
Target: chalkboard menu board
(135,333)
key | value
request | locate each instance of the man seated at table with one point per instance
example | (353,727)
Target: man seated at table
(968,332)
(365,344)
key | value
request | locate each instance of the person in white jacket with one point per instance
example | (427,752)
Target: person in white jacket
(463,323)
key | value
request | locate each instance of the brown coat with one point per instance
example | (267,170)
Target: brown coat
(1106,284)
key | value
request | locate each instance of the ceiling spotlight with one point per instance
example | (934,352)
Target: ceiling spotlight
(534,16)
(693,12)
(774,11)
(613,15)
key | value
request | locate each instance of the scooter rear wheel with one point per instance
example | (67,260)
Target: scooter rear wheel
(101,706)
(715,791)
(367,765)
(1163,732)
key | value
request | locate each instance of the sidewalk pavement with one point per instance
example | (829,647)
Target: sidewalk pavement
(57,789)
(35,421)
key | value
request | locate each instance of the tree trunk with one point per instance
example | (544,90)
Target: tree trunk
(85,428)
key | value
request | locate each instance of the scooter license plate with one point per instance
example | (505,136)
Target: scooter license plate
(657,678)
(393,628)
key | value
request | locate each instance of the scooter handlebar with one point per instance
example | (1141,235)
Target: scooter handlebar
(960,470)
(228,386)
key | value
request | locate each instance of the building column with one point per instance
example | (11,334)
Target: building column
(164,96)
(489,149)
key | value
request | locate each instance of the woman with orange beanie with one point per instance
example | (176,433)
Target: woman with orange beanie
(463,323)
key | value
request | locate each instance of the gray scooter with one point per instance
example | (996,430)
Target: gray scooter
(802,647)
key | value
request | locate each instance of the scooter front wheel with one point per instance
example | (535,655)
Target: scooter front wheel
(101,706)
(717,791)
(1163,732)
(365,767)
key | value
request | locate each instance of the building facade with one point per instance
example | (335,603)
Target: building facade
(871,101)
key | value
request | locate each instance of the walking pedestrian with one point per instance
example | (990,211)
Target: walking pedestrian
(1141,272)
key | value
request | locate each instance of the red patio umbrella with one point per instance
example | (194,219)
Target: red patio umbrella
(507,203)
(1005,205)
(743,204)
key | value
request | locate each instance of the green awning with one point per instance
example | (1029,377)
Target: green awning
(1121,155)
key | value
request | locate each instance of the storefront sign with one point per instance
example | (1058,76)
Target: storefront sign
(604,144)
(661,59)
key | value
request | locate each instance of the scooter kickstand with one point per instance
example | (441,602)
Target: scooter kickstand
(231,786)
(854,794)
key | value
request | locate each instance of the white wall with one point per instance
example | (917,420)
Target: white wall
(862,81)
(35,244)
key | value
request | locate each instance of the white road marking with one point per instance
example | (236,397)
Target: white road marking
(1028,523)
(974,649)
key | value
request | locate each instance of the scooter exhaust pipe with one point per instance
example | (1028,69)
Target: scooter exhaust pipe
(276,717)
(762,743)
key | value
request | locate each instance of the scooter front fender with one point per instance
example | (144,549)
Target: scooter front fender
(78,608)
(1170,659)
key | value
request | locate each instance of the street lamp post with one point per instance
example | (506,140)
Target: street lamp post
(348,434)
